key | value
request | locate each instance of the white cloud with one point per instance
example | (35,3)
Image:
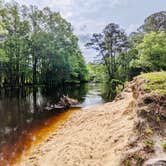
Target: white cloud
(132,28)
(91,16)
(60,2)
(117,3)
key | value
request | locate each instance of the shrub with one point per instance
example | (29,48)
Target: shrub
(148,143)
(164,144)
(149,131)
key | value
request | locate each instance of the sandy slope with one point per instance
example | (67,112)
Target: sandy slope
(94,136)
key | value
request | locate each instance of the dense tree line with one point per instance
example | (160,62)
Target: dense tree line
(127,56)
(97,72)
(37,46)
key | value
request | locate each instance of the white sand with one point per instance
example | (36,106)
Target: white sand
(94,136)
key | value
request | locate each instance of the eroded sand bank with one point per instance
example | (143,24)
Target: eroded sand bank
(95,136)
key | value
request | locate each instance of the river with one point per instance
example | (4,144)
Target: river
(23,118)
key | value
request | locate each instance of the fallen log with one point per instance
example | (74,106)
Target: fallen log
(64,103)
(67,102)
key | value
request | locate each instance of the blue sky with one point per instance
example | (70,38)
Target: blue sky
(89,16)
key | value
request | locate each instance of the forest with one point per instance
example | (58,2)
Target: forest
(58,108)
(121,56)
(39,47)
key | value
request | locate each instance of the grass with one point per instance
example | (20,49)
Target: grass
(155,82)
(149,131)
(148,143)
(164,144)
(134,159)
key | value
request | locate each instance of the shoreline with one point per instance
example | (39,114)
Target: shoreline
(36,136)
(93,136)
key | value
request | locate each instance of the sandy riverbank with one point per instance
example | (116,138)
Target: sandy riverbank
(93,136)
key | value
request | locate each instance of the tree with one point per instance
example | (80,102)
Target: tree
(110,44)
(124,60)
(152,52)
(97,72)
(155,22)
(115,41)
(40,46)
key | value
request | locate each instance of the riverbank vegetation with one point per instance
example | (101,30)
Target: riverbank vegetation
(97,73)
(156,82)
(37,46)
(125,56)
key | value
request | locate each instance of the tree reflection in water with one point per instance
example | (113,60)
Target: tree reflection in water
(23,109)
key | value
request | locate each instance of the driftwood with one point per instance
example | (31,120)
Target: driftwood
(64,103)
(67,102)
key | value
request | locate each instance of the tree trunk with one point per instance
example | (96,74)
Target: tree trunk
(34,71)
(34,67)
(108,67)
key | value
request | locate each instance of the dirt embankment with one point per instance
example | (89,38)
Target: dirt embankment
(128,131)
(147,146)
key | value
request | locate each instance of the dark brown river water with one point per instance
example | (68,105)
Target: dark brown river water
(23,120)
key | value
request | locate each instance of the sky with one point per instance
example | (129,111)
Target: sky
(91,16)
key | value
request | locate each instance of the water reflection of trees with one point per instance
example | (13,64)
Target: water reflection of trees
(109,91)
(20,108)
(78,92)
(23,106)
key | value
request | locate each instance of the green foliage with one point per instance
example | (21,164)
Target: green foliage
(125,68)
(152,51)
(127,162)
(155,82)
(97,73)
(149,131)
(3,57)
(158,119)
(142,51)
(38,47)
(111,42)
(135,39)
(164,144)
(134,159)
(115,83)
(155,22)
(148,143)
